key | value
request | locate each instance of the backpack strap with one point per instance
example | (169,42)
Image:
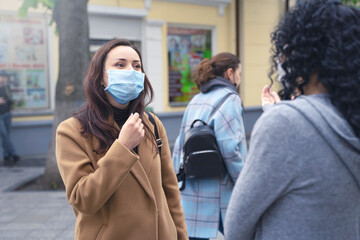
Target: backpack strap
(158,139)
(218,106)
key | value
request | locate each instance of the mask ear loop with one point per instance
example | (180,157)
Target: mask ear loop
(104,83)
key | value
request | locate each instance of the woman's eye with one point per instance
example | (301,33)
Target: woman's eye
(137,67)
(119,65)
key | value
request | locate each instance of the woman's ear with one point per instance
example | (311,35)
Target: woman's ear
(229,74)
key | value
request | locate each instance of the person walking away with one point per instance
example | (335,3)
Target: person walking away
(205,200)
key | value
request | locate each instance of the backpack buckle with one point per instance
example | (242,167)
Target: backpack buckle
(159,143)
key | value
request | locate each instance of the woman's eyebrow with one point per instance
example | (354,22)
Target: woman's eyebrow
(119,58)
(124,59)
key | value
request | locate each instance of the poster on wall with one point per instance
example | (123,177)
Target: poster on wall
(186,48)
(23,55)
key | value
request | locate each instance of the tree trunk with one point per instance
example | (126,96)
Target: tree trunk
(72,23)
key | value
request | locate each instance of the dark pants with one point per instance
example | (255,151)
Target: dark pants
(5,125)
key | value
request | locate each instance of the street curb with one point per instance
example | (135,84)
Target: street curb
(21,178)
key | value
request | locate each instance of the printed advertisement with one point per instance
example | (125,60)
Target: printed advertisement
(186,48)
(23,56)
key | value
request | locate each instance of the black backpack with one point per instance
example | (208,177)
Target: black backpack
(201,154)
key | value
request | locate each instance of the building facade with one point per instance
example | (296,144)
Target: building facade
(173,36)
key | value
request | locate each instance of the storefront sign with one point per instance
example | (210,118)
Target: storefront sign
(23,54)
(186,48)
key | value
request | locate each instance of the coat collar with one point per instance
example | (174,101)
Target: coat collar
(217,81)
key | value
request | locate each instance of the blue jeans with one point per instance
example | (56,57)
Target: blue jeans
(221,229)
(5,125)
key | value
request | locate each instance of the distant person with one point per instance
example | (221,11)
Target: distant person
(205,200)
(301,178)
(10,157)
(118,181)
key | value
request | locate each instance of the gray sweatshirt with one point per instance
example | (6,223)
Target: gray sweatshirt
(293,184)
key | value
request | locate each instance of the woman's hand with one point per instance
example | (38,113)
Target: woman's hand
(268,96)
(132,132)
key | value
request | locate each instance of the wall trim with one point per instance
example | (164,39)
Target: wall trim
(220,4)
(32,124)
(33,113)
(117,11)
(155,22)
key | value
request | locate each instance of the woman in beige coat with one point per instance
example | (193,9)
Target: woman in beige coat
(119,183)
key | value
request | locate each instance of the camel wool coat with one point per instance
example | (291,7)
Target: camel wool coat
(119,194)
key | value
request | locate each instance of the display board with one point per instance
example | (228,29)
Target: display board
(24,56)
(186,48)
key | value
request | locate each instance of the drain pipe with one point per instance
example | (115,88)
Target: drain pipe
(237,26)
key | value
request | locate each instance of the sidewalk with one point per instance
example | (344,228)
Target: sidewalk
(30,215)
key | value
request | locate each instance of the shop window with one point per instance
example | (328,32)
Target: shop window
(186,48)
(24,56)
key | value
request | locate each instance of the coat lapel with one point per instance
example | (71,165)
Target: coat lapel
(138,172)
(141,168)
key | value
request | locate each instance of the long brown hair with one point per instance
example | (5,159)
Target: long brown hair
(216,66)
(96,113)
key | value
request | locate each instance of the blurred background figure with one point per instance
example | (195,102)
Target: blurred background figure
(205,200)
(10,157)
(301,178)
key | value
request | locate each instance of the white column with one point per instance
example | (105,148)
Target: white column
(153,61)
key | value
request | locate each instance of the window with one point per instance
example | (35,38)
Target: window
(24,56)
(186,48)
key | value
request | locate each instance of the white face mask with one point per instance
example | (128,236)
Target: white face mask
(280,71)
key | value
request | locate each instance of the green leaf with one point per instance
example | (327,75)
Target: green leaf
(22,12)
(48,3)
(32,3)
(54,185)
(351,2)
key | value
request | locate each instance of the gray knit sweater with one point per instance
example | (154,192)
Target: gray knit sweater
(293,184)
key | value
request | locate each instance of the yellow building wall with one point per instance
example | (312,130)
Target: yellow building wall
(187,15)
(170,13)
(258,19)
(181,13)
(195,15)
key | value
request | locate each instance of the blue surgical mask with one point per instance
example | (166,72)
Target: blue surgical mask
(125,85)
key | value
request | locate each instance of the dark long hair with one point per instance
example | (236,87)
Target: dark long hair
(321,37)
(216,66)
(96,114)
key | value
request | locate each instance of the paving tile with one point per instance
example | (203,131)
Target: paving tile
(13,234)
(50,234)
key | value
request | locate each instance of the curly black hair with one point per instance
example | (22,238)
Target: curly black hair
(321,37)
